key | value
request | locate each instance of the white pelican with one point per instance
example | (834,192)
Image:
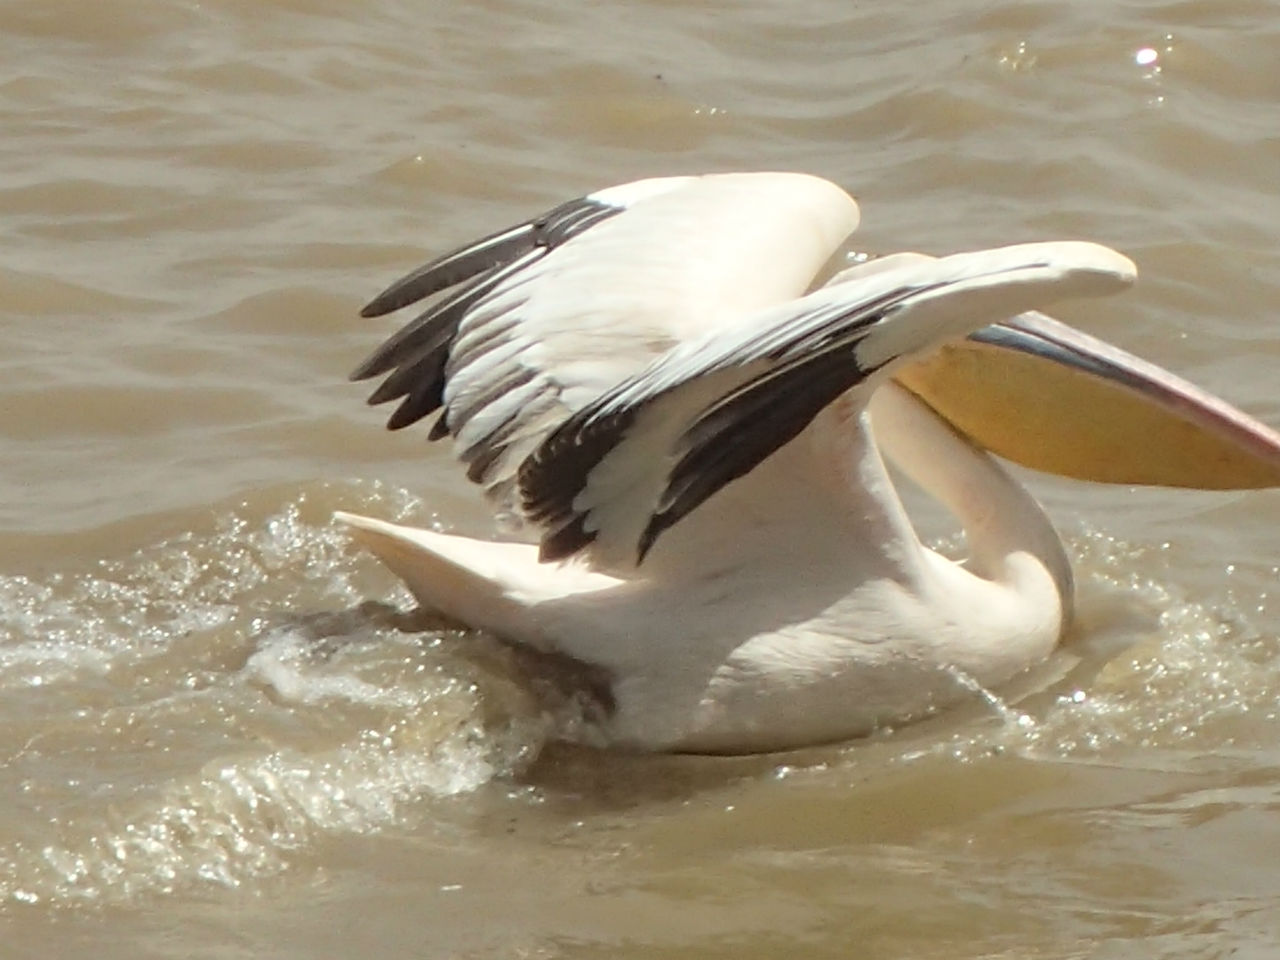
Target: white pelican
(697,443)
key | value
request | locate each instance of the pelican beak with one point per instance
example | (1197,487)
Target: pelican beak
(1042,394)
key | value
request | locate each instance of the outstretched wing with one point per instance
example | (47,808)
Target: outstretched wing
(628,465)
(535,322)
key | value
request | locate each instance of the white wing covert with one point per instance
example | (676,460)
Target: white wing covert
(534,322)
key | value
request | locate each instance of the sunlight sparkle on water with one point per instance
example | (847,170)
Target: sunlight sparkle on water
(1148,59)
(1020,58)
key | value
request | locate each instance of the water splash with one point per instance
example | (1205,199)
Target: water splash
(203,711)
(1007,714)
(207,710)
(1149,669)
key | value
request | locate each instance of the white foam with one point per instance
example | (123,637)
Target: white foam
(234,697)
(1149,669)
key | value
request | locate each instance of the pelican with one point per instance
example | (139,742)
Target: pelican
(693,429)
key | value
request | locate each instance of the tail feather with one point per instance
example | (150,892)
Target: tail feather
(492,586)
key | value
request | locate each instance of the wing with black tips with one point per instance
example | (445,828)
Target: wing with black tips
(631,464)
(531,323)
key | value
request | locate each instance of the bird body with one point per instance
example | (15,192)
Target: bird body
(699,445)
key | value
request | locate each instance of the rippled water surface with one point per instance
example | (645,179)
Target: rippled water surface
(224,733)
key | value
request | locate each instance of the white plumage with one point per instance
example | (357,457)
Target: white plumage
(696,441)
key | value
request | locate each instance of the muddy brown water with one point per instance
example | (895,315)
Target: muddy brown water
(222,731)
